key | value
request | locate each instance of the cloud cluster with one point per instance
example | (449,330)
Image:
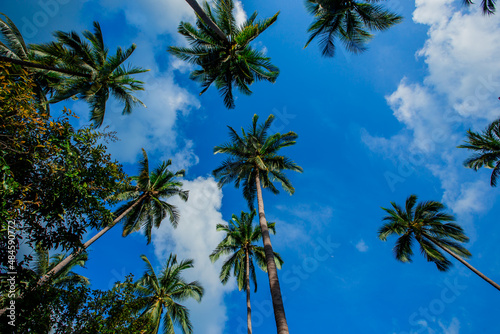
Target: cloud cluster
(459,91)
(195,238)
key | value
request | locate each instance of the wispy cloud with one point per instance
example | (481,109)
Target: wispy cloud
(362,246)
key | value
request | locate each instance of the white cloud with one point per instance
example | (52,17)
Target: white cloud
(153,16)
(239,12)
(362,246)
(195,238)
(459,91)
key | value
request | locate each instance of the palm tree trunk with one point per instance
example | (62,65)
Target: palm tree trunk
(249,306)
(465,263)
(204,17)
(272,272)
(43,67)
(86,245)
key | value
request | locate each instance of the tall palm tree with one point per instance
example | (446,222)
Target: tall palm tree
(431,228)
(253,160)
(239,243)
(229,61)
(144,208)
(347,21)
(486,146)
(66,277)
(108,75)
(72,67)
(162,294)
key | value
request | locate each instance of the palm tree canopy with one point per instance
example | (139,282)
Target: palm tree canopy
(241,236)
(486,146)
(158,294)
(152,187)
(421,223)
(347,21)
(89,56)
(66,277)
(254,153)
(226,62)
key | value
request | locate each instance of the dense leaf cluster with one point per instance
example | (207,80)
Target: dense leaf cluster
(55,179)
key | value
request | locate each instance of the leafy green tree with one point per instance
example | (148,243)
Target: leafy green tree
(240,245)
(486,146)
(144,208)
(161,294)
(229,61)
(78,309)
(56,180)
(253,160)
(347,21)
(432,229)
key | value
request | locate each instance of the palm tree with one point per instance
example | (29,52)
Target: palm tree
(239,243)
(144,208)
(73,68)
(347,21)
(66,277)
(431,228)
(486,145)
(162,294)
(229,61)
(107,74)
(253,160)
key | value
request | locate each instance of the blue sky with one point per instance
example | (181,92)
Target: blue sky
(373,128)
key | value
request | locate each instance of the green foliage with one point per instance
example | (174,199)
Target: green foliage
(486,146)
(226,62)
(347,21)
(240,239)
(149,189)
(160,294)
(426,224)
(55,179)
(78,309)
(107,74)
(256,153)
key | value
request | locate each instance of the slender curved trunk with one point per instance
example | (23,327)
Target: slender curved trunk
(465,263)
(204,17)
(272,272)
(43,67)
(86,245)
(247,278)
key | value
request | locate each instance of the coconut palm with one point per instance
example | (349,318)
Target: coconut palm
(432,229)
(66,277)
(74,68)
(253,160)
(239,244)
(229,61)
(108,75)
(349,22)
(144,207)
(486,146)
(160,295)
